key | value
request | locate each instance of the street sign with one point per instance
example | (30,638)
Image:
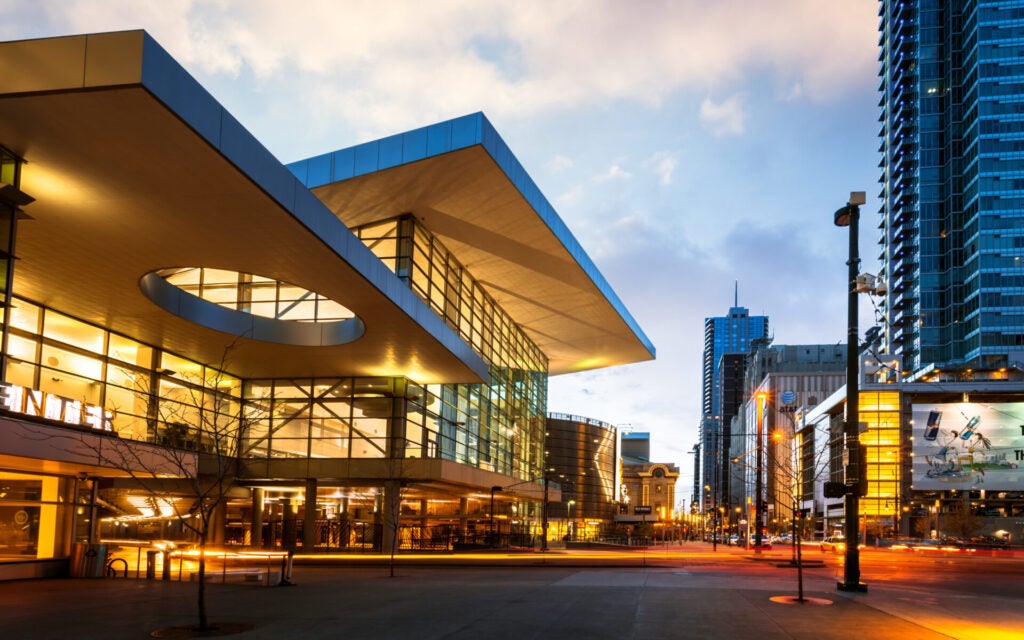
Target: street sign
(641,509)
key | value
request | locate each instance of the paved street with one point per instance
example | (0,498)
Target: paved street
(691,594)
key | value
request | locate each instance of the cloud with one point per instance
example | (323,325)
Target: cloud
(580,89)
(614,172)
(570,197)
(428,61)
(725,118)
(662,163)
(559,163)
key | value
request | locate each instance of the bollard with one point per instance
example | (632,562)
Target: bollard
(286,570)
(150,564)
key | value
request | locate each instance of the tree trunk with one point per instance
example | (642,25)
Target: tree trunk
(204,623)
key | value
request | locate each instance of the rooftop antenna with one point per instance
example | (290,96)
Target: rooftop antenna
(736,294)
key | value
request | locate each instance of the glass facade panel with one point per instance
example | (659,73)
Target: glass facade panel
(24,374)
(26,349)
(129,351)
(33,509)
(64,361)
(26,316)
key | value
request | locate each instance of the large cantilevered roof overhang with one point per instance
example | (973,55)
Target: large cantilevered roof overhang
(135,168)
(463,183)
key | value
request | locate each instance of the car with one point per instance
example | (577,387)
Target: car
(734,539)
(988,541)
(834,544)
(766,542)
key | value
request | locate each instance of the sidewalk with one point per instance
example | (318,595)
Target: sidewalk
(705,598)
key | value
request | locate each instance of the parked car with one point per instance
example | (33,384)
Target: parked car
(766,542)
(988,541)
(734,539)
(835,544)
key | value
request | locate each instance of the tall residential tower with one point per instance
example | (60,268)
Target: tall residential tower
(952,228)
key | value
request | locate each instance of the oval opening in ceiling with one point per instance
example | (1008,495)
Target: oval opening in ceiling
(252,306)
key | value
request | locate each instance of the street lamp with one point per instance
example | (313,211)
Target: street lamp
(849,216)
(493,489)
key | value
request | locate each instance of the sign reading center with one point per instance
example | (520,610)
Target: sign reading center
(32,402)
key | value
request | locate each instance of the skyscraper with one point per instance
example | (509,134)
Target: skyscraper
(735,333)
(952,228)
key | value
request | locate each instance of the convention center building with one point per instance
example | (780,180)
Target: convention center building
(340,353)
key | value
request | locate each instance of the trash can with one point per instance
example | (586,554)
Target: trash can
(88,560)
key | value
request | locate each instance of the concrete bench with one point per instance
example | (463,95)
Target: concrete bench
(247,574)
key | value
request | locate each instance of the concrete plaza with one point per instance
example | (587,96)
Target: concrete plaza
(703,596)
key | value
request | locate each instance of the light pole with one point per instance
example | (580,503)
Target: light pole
(761,398)
(849,216)
(708,509)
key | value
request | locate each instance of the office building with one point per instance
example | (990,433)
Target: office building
(357,344)
(735,333)
(785,381)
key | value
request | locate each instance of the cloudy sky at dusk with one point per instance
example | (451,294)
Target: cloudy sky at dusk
(688,145)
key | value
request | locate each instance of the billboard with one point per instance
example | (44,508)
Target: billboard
(969,446)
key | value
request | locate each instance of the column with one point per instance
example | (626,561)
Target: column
(344,532)
(309,517)
(463,518)
(256,526)
(424,531)
(218,523)
(390,512)
(289,525)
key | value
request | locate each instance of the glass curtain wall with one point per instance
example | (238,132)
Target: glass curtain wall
(499,425)
(880,507)
(145,394)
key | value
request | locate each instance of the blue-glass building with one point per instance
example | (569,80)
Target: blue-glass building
(735,333)
(952,183)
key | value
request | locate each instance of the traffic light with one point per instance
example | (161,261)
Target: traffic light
(835,489)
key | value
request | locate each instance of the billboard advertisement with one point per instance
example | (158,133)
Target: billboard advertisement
(969,446)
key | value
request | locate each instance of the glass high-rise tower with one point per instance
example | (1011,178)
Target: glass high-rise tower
(952,228)
(735,333)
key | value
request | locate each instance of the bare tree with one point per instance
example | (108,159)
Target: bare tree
(795,471)
(961,522)
(197,421)
(922,527)
(395,490)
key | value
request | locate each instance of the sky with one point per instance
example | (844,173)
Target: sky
(692,147)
